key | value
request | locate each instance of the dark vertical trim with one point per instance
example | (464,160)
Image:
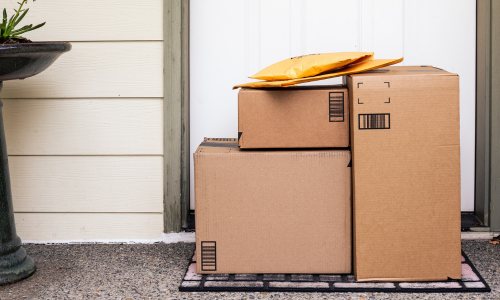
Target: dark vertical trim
(483,76)
(487,193)
(176,114)
(495,115)
(185,145)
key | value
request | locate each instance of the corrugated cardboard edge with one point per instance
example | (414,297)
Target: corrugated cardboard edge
(347,80)
(410,279)
(388,68)
(349,208)
(240,126)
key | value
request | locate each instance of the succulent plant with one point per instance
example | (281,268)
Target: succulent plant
(8,31)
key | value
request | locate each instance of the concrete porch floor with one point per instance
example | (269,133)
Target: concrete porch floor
(154,271)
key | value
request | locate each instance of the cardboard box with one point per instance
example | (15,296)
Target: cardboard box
(278,211)
(405,142)
(294,117)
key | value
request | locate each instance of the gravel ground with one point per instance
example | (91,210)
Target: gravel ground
(154,271)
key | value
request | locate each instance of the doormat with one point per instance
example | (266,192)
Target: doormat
(471,281)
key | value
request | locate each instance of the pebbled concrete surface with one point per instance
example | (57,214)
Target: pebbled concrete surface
(154,271)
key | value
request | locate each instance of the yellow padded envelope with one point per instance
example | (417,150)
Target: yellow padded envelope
(310,65)
(350,69)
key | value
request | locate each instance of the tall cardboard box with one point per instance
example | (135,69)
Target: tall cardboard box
(275,211)
(293,117)
(405,142)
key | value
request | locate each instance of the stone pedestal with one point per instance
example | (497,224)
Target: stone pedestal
(14,263)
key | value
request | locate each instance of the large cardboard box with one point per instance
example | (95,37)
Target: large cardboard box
(275,211)
(294,117)
(405,142)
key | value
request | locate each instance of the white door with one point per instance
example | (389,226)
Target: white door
(233,39)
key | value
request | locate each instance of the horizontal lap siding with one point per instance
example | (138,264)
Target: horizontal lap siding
(82,226)
(95,20)
(97,70)
(85,137)
(84,126)
(87,183)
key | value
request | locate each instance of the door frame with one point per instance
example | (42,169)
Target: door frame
(487,182)
(176,114)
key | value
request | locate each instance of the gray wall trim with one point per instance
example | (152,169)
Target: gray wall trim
(487,202)
(483,63)
(185,148)
(495,116)
(176,114)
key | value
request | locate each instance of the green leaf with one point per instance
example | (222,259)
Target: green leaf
(29,29)
(21,17)
(3,26)
(21,29)
(4,22)
(11,19)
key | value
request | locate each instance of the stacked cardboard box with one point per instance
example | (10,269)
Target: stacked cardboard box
(405,142)
(278,198)
(277,210)
(295,117)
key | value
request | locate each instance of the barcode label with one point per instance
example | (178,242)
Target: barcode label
(336,112)
(374,121)
(208,256)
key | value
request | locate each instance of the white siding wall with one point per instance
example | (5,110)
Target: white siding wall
(233,39)
(85,137)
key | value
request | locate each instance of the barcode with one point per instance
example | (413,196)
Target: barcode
(374,121)
(336,112)
(208,256)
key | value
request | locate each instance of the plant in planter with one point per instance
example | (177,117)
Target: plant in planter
(19,58)
(8,32)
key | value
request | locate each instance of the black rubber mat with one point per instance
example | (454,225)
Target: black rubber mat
(470,220)
(471,281)
(191,225)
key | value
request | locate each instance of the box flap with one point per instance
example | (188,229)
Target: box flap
(217,145)
(298,87)
(405,71)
